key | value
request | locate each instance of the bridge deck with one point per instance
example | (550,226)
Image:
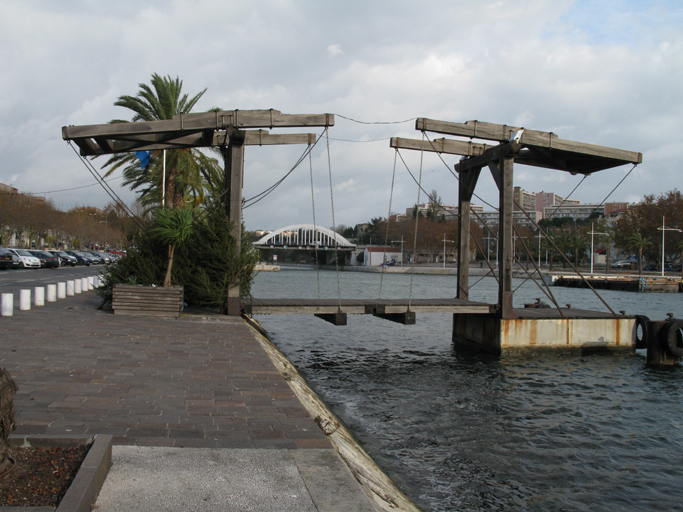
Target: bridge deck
(363,306)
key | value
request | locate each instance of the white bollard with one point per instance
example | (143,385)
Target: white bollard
(52,293)
(84,284)
(61,290)
(91,283)
(7,305)
(24,300)
(70,288)
(96,282)
(39,296)
(78,286)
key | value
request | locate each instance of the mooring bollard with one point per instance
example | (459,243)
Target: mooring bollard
(61,290)
(78,286)
(52,293)
(7,304)
(84,284)
(91,283)
(70,288)
(24,300)
(39,296)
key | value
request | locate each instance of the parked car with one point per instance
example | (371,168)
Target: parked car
(65,259)
(47,259)
(106,258)
(624,263)
(81,258)
(27,259)
(94,257)
(6,259)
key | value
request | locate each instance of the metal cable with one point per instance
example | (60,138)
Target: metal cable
(552,214)
(386,237)
(315,228)
(417,216)
(334,225)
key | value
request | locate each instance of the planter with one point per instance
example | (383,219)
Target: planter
(141,300)
(86,485)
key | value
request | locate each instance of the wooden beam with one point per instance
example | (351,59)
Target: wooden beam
(505,216)
(448,146)
(481,130)
(219,120)
(466,184)
(529,138)
(490,155)
(263,138)
(234,170)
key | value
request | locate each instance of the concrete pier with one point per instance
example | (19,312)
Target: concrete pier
(545,330)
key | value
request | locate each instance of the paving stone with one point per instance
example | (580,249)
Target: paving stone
(149,381)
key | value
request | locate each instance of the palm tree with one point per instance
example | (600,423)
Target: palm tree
(637,241)
(185,168)
(578,243)
(172,227)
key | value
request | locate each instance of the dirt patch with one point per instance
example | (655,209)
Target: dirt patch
(41,476)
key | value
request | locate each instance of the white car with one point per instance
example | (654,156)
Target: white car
(27,259)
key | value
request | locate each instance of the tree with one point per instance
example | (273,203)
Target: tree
(637,241)
(172,227)
(185,168)
(646,217)
(578,243)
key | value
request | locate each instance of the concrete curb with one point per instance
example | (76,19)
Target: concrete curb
(87,483)
(372,479)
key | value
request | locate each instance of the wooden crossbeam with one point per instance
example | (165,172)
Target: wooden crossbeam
(192,130)
(529,138)
(448,146)
(219,120)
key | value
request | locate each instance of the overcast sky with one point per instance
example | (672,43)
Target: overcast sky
(604,72)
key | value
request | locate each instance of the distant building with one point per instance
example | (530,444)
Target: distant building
(375,256)
(527,200)
(573,211)
(612,209)
(546,199)
(7,189)
(519,218)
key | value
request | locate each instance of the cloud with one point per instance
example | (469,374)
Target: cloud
(565,66)
(334,49)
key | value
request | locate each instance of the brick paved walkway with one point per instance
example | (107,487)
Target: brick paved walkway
(148,381)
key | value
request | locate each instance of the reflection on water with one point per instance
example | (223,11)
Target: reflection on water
(458,430)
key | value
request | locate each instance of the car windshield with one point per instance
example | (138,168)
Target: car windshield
(22,252)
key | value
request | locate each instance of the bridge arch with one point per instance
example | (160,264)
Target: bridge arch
(305,236)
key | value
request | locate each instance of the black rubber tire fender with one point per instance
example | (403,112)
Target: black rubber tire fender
(673,335)
(642,321)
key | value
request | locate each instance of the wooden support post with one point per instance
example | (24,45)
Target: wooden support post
(506,195)
(234,170)
(467,182)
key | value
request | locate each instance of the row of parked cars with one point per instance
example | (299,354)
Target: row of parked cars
(29,258)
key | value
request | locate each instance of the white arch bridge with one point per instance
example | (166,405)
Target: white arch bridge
(305,237)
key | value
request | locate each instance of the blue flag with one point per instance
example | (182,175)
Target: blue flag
(143,156)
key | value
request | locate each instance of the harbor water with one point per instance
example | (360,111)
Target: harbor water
(461,430)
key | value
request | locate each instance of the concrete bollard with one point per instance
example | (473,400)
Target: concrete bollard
(84,284)
(96,282)
(78,286)
(24,300)
(39,296)
(52,293)
(7,304)
(91,283)
(70,288)
(61,290)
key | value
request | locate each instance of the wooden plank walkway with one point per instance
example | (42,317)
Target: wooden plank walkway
(363,306)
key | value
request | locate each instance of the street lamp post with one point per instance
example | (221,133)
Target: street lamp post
(664,229)
(593,232)
(444,249)
(106,223)
(401,241)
